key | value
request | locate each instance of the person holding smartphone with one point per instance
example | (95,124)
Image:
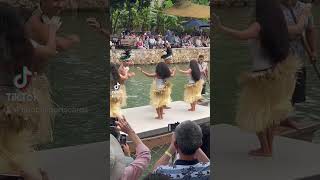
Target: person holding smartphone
(118,168)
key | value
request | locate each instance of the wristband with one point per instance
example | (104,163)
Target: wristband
(168,154)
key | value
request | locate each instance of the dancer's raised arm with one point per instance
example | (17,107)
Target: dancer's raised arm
(185,72)
(49,50)
(251,32)
(146,73)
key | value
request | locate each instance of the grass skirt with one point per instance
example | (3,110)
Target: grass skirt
(265,98)
(18,121)
(160,98)
(124,95)
(192,92)
(116,100)
(40,89)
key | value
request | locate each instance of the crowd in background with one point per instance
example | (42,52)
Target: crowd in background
(148,40)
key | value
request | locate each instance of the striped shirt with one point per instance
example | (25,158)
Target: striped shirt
(181,169)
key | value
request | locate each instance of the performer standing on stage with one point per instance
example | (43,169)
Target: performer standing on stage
(267,89)
(204,72)
(293,10)
(192,92)
(160,93)
(46,44)
(124,73)
(116,92)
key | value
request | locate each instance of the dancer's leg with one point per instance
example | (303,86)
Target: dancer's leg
(263,150)
(270,137)
(161,113)
(190,107)
(158,113)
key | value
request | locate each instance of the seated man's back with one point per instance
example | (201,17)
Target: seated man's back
(191,170)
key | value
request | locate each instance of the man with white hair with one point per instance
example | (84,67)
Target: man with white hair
(118,169)
(192,162)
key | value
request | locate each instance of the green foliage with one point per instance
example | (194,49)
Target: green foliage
(139,15)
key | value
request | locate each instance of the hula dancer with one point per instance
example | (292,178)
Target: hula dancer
(125,74)
(192,92)
(18,118)
(161,88)
(265,98)
(117,95)
(41,28)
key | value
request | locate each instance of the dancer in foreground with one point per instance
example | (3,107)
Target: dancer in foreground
(267,89)
(18,118)
(192,92)
(161,88)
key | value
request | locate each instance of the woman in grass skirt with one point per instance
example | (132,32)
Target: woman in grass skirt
(161,88)
(265,98)
(192,91)
(19,118)
(117,94)
(124,73)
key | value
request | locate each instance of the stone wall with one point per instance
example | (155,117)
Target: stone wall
(71,4)
(152,56)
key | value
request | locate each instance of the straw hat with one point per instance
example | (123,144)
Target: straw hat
(117,159)
(185,8)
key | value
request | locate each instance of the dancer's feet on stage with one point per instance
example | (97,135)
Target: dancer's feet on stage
(260,152)
(291,123)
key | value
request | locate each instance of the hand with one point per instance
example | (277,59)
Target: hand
(126,149)
(172,148)
(74,38)
(123,125)
(132,74)
(54,23)
(139,68)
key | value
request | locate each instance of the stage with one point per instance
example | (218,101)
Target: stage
(293,159)
(142,119)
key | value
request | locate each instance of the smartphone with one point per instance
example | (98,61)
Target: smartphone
(172,127)
(123,139)
(10,177)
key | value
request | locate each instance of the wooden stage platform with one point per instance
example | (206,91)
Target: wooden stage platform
(292,160)
(142,119)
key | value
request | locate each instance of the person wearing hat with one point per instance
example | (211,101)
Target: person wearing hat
(169,54)
(119,170)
